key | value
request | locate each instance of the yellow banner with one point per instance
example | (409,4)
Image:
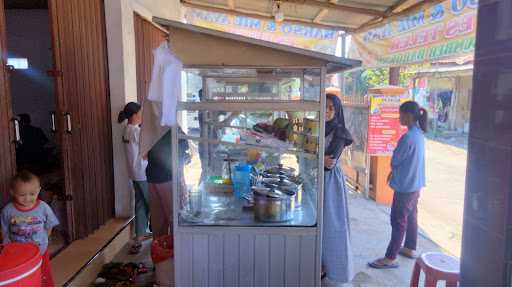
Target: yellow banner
(432,32)
(291,34)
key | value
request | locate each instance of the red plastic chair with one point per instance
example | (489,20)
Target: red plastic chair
(437,267)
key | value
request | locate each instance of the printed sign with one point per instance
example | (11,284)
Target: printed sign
(384,129)
(433,32)
(291,34)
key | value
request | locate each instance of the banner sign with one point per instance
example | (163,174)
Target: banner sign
(433,32)
(291,34)
(384,129)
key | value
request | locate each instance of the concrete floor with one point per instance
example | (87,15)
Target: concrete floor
(370,235)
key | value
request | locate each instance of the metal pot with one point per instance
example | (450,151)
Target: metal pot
(289,184)
(271,205)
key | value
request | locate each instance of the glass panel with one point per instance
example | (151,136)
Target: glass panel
(235,85)
(312,85)
(235,153)
(294,132)
(212,192)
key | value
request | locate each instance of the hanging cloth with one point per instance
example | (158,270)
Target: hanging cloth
(159,111)
(165,84)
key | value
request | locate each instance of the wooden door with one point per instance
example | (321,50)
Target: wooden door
(79,40)
(147,37)
(7,148)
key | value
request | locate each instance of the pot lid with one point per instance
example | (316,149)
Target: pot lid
(279,169)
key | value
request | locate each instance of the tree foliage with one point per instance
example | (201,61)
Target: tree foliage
(357,82)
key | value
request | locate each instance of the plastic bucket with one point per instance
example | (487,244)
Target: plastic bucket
(20,265)
(162,253)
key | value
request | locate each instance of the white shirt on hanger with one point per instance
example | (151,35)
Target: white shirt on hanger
(165,84)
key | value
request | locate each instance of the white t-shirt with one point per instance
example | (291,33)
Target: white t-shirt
(136,165)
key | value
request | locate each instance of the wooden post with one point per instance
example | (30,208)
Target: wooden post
(394,76)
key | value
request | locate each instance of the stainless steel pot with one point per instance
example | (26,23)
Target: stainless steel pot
(286,183)
(271,205)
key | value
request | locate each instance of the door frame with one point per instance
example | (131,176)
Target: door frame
(7,144)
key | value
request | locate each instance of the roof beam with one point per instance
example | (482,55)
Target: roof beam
(231,4)
(257,14)
(337,7)
(320,15)
(395,6)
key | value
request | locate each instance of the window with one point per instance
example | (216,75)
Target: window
(18,63)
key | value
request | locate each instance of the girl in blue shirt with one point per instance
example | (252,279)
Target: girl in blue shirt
(407,178)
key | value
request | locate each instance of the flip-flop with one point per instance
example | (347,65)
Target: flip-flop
(142,269)
(406,254)
(377,264)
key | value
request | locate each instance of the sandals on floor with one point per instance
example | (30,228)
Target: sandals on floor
(379,264)
(142,269)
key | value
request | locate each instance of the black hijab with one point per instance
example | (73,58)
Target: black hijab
(341,136)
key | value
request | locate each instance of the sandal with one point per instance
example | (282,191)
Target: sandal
(408,253)
(142,269)
(132,270)
(135,249)
(382,264)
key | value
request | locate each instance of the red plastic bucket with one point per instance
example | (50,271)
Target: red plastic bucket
(162,252)
(162,249)
(20,265)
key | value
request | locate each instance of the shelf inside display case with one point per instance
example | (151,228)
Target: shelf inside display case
(268,148)
(250,106)
(222,209)
(278,85)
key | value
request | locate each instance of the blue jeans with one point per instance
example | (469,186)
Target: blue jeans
(141,208)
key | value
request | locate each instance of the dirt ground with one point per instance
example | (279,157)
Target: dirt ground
(442,201)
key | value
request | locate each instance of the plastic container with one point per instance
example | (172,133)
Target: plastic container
(162,254)
(20,265)
(242,180)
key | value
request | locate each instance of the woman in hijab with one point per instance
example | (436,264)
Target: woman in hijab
(336,250)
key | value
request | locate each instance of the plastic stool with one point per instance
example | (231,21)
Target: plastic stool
(437,267)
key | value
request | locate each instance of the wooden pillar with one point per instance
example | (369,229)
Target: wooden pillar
(487,232)
(344,45)
(394,76)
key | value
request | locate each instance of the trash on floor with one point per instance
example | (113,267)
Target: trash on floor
(120,274)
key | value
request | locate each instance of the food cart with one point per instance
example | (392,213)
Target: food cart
(248,190)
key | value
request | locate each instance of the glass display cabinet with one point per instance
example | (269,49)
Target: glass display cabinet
(252,147)
(248,168)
